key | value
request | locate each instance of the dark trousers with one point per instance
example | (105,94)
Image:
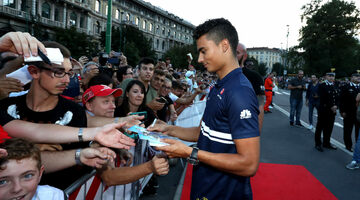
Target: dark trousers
(325,124)
(349,122)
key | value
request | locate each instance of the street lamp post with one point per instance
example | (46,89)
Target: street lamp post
(108,28)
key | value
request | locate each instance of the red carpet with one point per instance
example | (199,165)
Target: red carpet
(278,182)
(295,182)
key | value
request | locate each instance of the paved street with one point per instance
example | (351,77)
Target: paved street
(283,144)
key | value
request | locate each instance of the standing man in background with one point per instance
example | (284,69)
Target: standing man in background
(297,85)
(312,98)
(269,84)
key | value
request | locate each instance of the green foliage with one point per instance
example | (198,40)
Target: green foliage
(78,43)
(178,56)
(131,41)
(262,69)
(278,68)
(328,39)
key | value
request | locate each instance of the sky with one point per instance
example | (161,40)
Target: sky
(259,23)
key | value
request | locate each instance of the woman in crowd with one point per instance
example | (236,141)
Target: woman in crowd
(134,101)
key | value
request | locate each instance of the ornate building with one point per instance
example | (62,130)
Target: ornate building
(267,56)
(163,28)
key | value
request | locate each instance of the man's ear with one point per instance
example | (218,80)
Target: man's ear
(225,45)
(41,172)
(88,106)
(34,71)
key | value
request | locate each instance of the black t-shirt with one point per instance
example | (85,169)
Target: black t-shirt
(4,118)
(162,112)
(297,93)
(65,113)
(255,79)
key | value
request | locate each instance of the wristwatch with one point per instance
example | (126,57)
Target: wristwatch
(193,158)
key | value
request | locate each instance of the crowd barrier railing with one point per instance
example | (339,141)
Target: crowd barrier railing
(91,187)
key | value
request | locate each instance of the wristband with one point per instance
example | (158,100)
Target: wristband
(80,135)
(77,157)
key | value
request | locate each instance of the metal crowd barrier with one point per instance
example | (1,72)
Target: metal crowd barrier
(90,187)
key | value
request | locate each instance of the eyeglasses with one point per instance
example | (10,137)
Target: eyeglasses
(167,88)
(59,73)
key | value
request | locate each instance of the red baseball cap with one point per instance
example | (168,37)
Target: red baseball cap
(100,91)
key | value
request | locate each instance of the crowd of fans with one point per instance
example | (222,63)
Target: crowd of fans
(100,91)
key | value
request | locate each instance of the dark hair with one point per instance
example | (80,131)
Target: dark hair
(64,51)
(122,71)
(18,149)
(176,85)
(145,61)
(218,30)
(100,79)
(159,72)
(125,104)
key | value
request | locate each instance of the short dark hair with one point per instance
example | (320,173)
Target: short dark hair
(159,72)
(176,85)
(145,61)
(18,149)
(100,79)
(122,71)
(218,30)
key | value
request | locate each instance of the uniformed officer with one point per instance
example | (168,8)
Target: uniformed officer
(347,108)
(328,95)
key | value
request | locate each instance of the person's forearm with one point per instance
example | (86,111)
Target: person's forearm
(47,133)
(188,134)
(96,121)
(57,160)
(125,175)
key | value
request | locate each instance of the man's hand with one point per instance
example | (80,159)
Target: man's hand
(131,120)
(160,127)
(110,136)
(176,149)
(21,43)
(97,157)
(8,85)
(160,165)
(3,153)
(173,116)
(155,105)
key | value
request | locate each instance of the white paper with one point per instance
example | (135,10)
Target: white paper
(54,55)
(21,74)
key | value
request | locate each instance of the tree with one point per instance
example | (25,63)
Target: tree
(328,38)
(130,41)
(278,68)
(78,43)
(178,57)
(262,69)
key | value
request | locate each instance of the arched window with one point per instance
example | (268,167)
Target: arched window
(73,18)
(117,13)
(144,24)
(45,10)
(127,17)
(97,6)
(163,31)
(137,21)
(57,14)
(157,44)
(9,3)
(163,45)
(98,27)
(150,27)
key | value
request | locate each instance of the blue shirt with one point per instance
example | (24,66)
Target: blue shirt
(231,113)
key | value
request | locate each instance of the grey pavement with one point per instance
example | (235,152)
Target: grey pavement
(283,144)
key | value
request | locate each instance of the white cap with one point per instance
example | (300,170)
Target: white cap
(189,73)
(54,54)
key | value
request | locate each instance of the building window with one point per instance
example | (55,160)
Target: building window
(9,3)
(150,27)
(137,21)
(98,27)
(163,45)
(117,13)
(157,44)
(45,10)
(163,31)
(106,10)
(168,32)
(157,29)
(57,14)
(144,24)
(127,17)
(73,18)
(82,22)
(97,6)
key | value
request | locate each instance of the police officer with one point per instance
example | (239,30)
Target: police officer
(347,108)
(328,95)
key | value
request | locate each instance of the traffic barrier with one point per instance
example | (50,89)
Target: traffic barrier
(90,186)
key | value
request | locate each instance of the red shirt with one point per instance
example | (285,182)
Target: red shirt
(3,135)
(268,84)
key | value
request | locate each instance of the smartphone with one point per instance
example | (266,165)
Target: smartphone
(161,100)
(143,113)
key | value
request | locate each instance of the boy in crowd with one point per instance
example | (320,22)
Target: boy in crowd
(21,171)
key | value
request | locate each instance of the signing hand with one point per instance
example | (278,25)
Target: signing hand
(110,136)
(21,43)
(160,165)
(176,149)
(97,157)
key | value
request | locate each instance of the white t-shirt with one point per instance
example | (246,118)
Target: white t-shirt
(46,192)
